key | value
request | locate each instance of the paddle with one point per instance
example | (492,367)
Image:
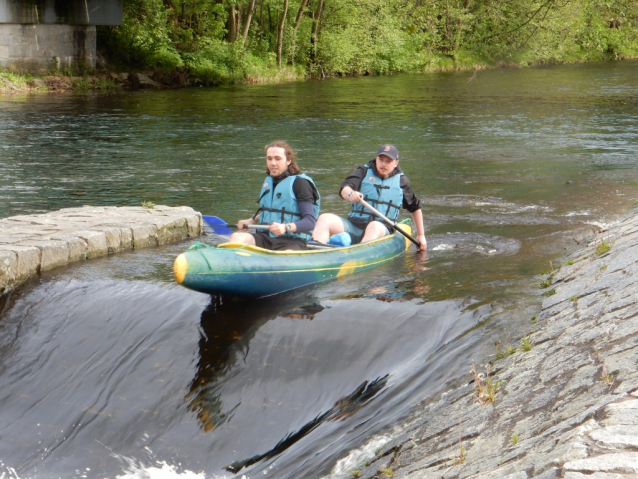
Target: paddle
(389,222)
(221,227)
(217,224)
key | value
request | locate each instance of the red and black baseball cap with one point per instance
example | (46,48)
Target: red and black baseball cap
(390,151)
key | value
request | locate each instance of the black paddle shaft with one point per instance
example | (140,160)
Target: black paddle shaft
(390,222)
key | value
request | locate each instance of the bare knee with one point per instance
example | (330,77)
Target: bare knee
(327,225)
(374,231)
(246,238)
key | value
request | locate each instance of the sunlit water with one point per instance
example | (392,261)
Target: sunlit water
(109,369)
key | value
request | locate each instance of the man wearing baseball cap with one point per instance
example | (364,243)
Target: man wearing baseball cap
(384,186)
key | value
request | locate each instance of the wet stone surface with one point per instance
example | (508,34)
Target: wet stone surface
(567,407)
(33,243)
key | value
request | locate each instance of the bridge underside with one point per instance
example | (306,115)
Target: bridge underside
(41,35)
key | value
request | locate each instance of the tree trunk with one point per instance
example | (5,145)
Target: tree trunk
(231,25)
(280,36)
(239,15)
(315,30)
(294,34)
(249,17)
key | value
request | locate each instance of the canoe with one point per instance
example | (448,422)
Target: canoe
(240,270)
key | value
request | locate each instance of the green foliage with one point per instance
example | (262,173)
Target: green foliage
(486,387)
(602,248)
(551,292)
(570,262)
(503,353)
(514,439)
(204,38)
(148,205)
(526,344)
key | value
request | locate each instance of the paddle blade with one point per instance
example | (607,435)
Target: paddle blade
(217,224)
(214,221)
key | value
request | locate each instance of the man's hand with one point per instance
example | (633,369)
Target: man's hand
(241,223)
(423,245)
(351,195)
(277,228)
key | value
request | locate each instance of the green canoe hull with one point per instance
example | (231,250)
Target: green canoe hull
(239,270)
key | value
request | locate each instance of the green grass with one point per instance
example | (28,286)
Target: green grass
(526,344)
(603,248)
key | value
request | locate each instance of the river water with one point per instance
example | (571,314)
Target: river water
(108,369)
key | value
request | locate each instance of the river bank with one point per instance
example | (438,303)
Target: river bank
(33,243)
(16,82)
(561,402)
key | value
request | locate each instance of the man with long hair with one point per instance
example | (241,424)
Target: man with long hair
(288,204)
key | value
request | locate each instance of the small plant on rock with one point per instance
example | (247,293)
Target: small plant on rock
(462,457)
(486,388)
(605,376)
(551,292)
(387,472)
(570,262)
(148,204)
(534,319)
(526,344)
(603,248)
(514,439)
(355,473)
(573,299)
(603,268)
(503,353)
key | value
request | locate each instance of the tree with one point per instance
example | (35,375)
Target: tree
(280,33)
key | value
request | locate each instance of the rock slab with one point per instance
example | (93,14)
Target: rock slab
(567,407)
(33,243)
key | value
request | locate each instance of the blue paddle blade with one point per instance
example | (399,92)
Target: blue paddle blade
(217,224)
(214,221)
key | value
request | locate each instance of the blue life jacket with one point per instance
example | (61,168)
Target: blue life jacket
(385,195)
(279,205)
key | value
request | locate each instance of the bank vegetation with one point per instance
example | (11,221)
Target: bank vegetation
(207,42)
(225,41)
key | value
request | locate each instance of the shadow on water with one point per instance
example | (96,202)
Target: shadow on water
(227,328)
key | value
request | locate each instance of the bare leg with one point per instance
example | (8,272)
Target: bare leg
(374,230)
(327,225)
(246,238)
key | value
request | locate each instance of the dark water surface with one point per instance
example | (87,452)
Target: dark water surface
(109,369)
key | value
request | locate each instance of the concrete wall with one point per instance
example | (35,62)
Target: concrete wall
(71,12)
(33,47)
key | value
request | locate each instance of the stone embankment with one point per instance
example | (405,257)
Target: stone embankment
(15,83)
(33,243)
(567,407)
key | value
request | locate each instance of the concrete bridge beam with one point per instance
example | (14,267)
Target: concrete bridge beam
(39,35)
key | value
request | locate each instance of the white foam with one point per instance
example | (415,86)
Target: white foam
(442,247)
(357,457)
(601,226)
(161,470)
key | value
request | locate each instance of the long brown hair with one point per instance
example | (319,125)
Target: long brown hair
(293,168)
